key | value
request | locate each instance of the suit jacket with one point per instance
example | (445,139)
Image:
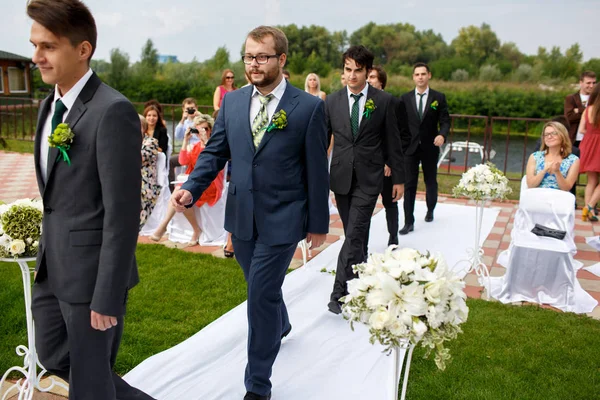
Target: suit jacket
(163,139)
(572,102)
(378,142)
(92,207)
(435,121)
(282,188)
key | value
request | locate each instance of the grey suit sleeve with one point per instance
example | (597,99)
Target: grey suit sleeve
(118,145)
(444,117)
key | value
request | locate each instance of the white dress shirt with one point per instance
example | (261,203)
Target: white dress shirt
(68,99)
(271,106)
(418,98)
(361,102)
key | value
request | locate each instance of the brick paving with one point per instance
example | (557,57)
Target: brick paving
(17,180)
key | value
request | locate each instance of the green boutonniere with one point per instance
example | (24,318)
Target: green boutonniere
(434,105)
(61,138)
(279,121)
(369,108)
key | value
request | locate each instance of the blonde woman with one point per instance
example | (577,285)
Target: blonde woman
(553,166)
(312,85)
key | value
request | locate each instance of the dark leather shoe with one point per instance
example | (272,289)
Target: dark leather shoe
(254,396)
(335,307)
(429,216)
(393,240)
(287,332)
(406,229)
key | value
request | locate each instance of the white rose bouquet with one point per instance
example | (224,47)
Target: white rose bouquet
(20,228)
(483,182)
(405,296)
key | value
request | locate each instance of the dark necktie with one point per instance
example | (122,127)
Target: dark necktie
(421,105)
(59,111)
(354,114)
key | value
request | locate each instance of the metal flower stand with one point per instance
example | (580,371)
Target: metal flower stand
(475,254)
(403,356)
(26,386)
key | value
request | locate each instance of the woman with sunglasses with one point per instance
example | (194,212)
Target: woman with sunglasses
(227,85)
(553,166)
(188,156)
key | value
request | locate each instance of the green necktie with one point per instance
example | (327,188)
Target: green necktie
(259,125)
(57,118)
(421,105)
(354,114)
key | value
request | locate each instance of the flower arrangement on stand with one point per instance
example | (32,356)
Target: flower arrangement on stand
(20,228)
(482,184)
(406,297)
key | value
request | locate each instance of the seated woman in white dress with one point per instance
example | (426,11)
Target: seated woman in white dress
(553,166)
(189,154)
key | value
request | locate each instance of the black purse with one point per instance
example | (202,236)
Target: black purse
(542,230)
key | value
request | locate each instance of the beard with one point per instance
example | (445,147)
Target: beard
(262,77)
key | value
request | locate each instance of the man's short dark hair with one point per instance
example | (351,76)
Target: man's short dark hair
(421,64)
(381,75)
(361,55)
(562,120)
(188,100)
(587,74)
(65,18)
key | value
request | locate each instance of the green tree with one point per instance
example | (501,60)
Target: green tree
(220,60)
(149,58)
(593,64)
(119,69)
(477,44)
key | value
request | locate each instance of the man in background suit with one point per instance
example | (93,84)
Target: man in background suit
(277,193)
(364,125)
(429,124)
(86,259)
(575,104)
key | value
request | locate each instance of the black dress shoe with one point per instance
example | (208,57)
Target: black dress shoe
(254,396)
(335,307)
(287,332)
(429,216)
(393,240)
(406,229)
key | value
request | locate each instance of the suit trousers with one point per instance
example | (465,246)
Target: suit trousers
(356,209)
(68,347)
(428,159)
(264,268)
(391,214)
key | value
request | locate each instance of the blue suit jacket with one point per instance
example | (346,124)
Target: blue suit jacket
(283,186)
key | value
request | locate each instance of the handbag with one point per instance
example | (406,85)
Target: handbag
(542,230)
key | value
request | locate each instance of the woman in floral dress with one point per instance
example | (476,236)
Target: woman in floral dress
(150,187)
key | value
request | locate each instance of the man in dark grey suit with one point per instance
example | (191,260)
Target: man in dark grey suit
(91,193)
(429,123)
(364,124)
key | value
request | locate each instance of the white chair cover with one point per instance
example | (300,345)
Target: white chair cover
(541,269)
(162,203)
(210,219)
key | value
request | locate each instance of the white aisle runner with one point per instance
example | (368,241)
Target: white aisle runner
(322,358)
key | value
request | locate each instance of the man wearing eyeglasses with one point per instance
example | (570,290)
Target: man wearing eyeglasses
(278,190)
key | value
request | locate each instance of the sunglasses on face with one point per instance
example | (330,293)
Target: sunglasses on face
(229,77)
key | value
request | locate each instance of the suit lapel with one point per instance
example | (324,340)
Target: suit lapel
(288,102)
(247,99)
(371,94)
(75,113)
(344,111)
(42,115)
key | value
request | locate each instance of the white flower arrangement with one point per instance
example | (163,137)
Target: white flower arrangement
(405,296)
(20,228)
(483,182)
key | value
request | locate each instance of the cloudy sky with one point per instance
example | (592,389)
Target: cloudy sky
(189,28)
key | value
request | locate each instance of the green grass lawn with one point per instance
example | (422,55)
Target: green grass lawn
(18,146)
(505,352)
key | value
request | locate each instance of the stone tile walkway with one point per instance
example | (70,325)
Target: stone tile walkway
(17,180)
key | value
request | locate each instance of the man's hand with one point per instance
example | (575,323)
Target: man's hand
(387,171)
(102,322)
(438,141)
(397,192)
(181,198)
(184,116)
(315,239)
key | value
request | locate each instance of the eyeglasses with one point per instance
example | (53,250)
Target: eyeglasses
(261,58)
(229,77)
(204,129)
(553,133)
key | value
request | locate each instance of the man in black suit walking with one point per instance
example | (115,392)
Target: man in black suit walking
(429,123)
(363,121)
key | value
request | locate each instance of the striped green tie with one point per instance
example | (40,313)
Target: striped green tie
(354,114)
(259,126)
